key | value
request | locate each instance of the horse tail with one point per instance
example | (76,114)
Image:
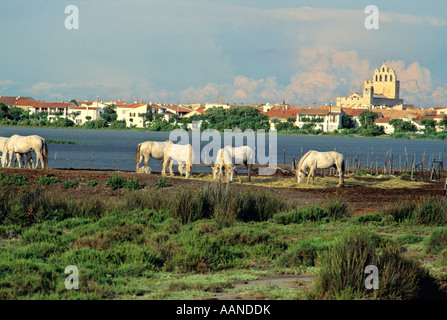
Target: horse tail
(190,155)
(44,153)
(137,154)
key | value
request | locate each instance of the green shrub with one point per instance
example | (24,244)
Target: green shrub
(431,211)
(92,183)
(45,180)
(401,211)
(13,179)
(304,253)
(409,239)
(342,269)
(437,241)
(337,209)
(162,183)
(116,182)
(133,184)
(405,176)
(311,214)
(68,184)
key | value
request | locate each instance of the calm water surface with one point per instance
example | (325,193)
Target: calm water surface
(115,149)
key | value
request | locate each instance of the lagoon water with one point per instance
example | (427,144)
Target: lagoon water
(115,149)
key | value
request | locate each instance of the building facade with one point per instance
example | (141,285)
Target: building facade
(380,92)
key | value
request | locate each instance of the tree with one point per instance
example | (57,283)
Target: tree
(109,113)
(3,110)
(367,118)
(16,113)
(402,126)
(347,122)
(443,123)
(430,125)
(368,127)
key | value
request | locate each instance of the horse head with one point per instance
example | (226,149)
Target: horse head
(229,170)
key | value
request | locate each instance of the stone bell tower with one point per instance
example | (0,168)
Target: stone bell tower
(385,82)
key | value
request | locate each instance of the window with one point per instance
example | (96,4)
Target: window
(385,77)
(391,77)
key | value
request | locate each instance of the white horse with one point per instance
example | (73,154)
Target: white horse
(233,155)
(24,145)
(154,149)
(183,154)
(224,160)
(29,155)
(313,160)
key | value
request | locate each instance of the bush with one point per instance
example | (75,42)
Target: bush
(92,183)
(45,180)
(162,183)
(116,182)
(311,214)
(133,184)
(68,184)
(304,253)
(337,208)
(401,211)
(405,176)
(342,269)
(437,241)
(13,179)
(431,211)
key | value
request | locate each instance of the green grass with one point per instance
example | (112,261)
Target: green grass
(144,246)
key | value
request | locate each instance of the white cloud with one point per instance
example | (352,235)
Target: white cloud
(323,75)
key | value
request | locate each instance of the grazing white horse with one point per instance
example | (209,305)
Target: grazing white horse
(313,160)
(228,156)
(183,154)
(224,160)
(24,145)
(145,150)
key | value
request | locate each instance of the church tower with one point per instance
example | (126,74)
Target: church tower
(385,82)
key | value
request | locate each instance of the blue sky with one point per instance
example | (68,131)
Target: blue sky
(188,51)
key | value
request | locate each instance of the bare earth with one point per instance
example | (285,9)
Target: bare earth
(362,198)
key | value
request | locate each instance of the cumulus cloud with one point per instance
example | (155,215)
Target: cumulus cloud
(323,75)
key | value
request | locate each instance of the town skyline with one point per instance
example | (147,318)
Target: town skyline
(242,51)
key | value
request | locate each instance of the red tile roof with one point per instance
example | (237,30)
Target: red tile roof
(280,112)
(11,101)
(83,108)
(382,120)
(53,105)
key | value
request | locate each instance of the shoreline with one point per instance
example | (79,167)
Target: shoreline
(405,136)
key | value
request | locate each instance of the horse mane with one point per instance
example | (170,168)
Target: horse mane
(300,163)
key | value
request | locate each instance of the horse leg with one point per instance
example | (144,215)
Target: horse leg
(340,175)
(171,171)
(308,175)
(29,159)
(11,156)
(163,169)
(18,159)
(39,159)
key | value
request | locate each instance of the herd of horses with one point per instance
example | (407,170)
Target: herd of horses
(170,154)
(227,157)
